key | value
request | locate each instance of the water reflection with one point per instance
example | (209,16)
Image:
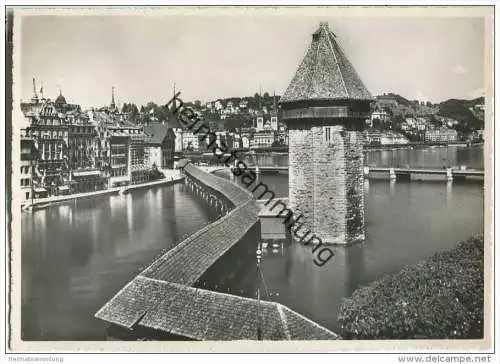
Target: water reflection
(449,190)
(366,185)
(75,257)
(392,187)
(354,267)
(129,203)
(116,204)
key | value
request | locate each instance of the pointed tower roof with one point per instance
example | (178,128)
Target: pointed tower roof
(274,110)
(325,73)
(113,105)
(34,99)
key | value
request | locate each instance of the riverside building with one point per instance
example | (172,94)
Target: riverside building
(47,127)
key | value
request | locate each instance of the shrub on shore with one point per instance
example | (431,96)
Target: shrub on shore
(440,298)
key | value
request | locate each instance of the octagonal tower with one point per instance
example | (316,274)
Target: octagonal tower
(325,107)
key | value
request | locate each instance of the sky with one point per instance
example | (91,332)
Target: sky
(210,57)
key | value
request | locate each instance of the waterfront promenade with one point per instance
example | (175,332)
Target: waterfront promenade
(171,176)
(163,297)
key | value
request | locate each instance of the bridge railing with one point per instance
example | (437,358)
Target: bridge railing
(233,192)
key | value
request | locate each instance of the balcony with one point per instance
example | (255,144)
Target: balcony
(86,173)
(319,112)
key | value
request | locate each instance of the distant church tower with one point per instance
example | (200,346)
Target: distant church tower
(260,121)
(274,115)
(112,106)
(34,99)
(325,107)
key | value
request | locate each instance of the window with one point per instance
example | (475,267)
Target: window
(328,134)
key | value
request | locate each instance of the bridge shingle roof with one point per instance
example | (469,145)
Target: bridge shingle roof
(206,315)
(187,261)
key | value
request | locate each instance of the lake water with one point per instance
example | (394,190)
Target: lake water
(405,222)
(76,256)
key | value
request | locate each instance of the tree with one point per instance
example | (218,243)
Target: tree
(130,108)
(155,173)
(377,124)
(256,100)
(434,121)
(458,110)
(143,118)
(396,122)
(151,105)
(439,298)
(133,110)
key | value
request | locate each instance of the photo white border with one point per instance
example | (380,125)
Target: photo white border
(304,346)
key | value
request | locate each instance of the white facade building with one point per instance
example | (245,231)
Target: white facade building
(190,141)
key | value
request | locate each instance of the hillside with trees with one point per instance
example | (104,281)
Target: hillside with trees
(400,99)
(459,110)
(398,108)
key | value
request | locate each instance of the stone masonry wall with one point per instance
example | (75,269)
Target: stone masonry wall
(355,195)
(326,183)
(329,185)
(300,177)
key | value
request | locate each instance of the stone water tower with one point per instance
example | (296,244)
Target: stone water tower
(325,107)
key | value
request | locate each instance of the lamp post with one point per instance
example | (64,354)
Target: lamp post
(259,256)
